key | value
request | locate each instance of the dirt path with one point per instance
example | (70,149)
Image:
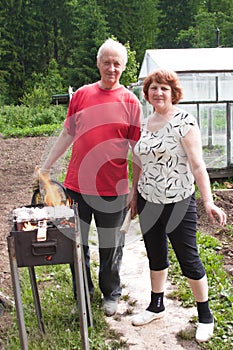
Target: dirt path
(160,334)
(18,158)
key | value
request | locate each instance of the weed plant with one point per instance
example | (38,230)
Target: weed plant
(220,291)
(22,121)
(61,325)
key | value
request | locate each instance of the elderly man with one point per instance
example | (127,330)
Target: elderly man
(102,123)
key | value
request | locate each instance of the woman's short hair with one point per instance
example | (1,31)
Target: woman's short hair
(168,77)
(111,44)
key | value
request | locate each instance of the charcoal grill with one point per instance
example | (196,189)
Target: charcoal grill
(61,246)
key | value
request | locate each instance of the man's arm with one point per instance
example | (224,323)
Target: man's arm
(61,145)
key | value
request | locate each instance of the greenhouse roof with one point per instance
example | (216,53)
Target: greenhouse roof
(196,60)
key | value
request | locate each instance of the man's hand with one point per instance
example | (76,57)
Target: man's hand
(132,203)
(39,176)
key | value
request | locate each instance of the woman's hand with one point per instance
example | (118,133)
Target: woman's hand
(214,212)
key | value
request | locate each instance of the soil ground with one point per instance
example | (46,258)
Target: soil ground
(18,158)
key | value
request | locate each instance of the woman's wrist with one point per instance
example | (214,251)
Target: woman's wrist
(207,201)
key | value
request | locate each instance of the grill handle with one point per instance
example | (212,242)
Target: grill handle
(44,248)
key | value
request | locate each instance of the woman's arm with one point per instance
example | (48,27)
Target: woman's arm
(193,148)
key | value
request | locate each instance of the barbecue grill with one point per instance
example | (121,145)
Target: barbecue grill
(43,235)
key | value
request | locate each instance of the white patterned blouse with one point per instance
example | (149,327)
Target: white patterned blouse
(166,175)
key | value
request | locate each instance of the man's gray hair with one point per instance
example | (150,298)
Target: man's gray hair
(111,44)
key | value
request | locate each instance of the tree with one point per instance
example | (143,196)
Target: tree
(174,16)
(89,30)
(130,74)
(44,86)
(34,32)
(11,49)
(31,37)
(133,21)
(203,32)
(4,51)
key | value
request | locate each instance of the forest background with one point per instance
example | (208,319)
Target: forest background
(48,45)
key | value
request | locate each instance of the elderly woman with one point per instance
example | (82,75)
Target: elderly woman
(170,152)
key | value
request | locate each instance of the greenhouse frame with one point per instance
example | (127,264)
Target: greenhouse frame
(206,76)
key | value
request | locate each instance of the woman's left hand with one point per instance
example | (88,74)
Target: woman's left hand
(213,211)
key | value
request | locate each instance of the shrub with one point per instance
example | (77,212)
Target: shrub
(21,121)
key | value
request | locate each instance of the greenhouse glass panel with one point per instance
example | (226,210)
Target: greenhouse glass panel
(231,134)
(225,87)
(191,108)
(212,122)
(198,87)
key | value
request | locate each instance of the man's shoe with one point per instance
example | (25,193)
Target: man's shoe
(204,331)
(146,317)
(110,307)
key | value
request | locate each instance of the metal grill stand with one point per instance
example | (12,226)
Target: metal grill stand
(83,298)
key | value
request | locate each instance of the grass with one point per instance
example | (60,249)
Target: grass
(62,327)
(220,291)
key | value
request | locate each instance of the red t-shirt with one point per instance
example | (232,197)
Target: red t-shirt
(104,123)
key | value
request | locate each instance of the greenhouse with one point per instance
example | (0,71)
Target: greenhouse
(206,76)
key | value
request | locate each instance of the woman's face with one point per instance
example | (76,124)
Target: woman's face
(160,96)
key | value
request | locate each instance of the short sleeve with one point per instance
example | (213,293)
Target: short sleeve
(186,122)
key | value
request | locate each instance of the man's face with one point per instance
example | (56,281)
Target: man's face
(110,66)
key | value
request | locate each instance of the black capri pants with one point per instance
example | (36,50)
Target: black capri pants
(178,222)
